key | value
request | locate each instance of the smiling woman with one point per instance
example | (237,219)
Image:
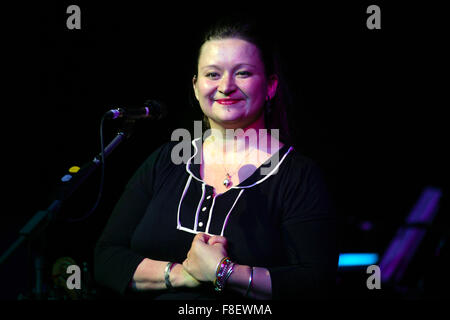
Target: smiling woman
(228,229)
(256,56)
(231,85)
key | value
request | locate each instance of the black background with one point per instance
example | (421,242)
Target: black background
(369,109)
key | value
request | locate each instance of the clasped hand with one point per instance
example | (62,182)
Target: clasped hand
(203,257)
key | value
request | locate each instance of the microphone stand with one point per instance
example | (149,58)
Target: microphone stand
(35,227)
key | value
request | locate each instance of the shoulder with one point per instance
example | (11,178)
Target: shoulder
(305,192)
(158,161)
(300,173)
(296,164)
(161,155)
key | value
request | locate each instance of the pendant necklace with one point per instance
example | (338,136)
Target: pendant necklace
(227,180)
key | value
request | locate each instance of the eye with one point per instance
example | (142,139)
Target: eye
(243,74)
(212,75)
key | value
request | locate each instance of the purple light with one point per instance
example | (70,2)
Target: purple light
(366,226)
(408,238)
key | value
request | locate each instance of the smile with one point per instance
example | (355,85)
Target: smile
(228,101)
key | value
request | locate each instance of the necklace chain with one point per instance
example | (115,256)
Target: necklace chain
(227,181)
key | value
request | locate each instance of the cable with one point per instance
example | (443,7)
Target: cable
(102,178)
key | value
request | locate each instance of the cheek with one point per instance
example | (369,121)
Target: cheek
(255,90)
(205,89)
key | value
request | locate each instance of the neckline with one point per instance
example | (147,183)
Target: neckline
(255,178)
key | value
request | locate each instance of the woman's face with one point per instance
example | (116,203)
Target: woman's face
(231,85)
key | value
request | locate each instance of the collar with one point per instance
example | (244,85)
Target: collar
(193,169)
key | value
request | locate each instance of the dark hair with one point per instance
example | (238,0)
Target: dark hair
(257,33)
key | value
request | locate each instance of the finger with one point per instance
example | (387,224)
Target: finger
(217,239)
(202,237)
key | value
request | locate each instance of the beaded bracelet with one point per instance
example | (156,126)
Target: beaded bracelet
(223,271)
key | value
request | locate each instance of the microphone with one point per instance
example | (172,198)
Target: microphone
(152,109)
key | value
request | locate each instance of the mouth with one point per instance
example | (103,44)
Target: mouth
(228,102)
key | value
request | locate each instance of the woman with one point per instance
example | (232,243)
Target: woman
(223,228)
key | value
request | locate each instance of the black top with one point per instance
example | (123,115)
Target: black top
(279,218)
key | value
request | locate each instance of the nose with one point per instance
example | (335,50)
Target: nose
(227,85)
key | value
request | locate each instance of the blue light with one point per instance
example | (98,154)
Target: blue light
(357,259)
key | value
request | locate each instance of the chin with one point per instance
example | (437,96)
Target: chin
(230,120)
(228,117)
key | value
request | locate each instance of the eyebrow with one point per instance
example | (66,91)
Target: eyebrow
(237,65)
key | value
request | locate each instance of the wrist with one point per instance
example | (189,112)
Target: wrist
(223,271)
(182,278)
(176,276)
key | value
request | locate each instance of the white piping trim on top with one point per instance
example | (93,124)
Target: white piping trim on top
(191,175)
(235,187)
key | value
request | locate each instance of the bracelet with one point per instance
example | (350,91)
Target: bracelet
(250,279)
(223,271)
(220,272)
(167,275)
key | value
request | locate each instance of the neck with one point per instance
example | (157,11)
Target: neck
(237,139)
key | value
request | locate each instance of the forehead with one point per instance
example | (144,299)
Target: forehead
(229,51)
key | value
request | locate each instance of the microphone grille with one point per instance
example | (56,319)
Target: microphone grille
(157,109)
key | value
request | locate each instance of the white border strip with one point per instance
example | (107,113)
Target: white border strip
(198,207)
(181,200)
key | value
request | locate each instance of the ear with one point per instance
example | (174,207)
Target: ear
(194,85)
(272,85)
